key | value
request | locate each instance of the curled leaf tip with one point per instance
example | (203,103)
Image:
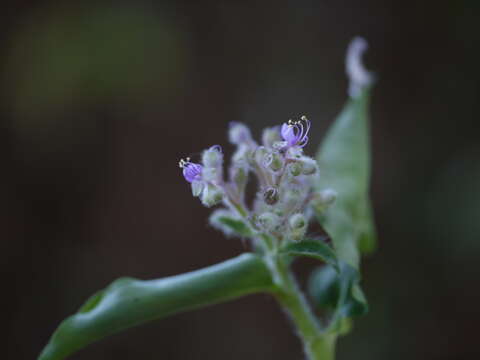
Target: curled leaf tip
(358,75)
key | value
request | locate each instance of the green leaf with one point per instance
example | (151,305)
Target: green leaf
(237,226)
(316,249)
(344,160)
(129,302)
(338,290)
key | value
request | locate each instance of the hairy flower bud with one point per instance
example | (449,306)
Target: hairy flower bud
(239,176)
(212,157)
(243,154)
(211,195)
(261,156)
(298,226)
(197,187)
(270,196)
(309,166)
(328,196)
(323,199)
(211,174)
(274,161)
(295,168)
(270,136)
(239,134)
(268,221)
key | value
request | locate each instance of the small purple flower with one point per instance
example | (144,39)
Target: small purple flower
(295,132)
(191,171)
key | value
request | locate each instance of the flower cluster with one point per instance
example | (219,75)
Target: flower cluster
(285,176)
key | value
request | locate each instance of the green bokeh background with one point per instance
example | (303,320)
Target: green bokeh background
(99,100)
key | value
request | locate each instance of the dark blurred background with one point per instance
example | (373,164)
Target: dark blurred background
(99,100)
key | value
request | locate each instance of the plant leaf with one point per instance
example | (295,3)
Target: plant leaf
(129,302)
(338,290)
(316,249)
(237,226)
(344,160)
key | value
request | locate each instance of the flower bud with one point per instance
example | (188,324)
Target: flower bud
(294,152)
(297,221)
(270,196)
(261,155)
(239,176)
(270,136)
(274,161)
(268,221)
(324,199)
(295,168)
(211,195)
(197,187)
(309,166)
(213,157)
(210,174)
(298,226)
(239,134)
(243,153)
(328,196)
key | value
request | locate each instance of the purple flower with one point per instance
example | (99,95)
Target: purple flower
(295,132)
(191,171)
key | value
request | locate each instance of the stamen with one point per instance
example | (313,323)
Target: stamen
(182,163)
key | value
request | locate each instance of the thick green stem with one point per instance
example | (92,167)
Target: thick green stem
(318,345)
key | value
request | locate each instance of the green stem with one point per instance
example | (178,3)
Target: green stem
(318,345)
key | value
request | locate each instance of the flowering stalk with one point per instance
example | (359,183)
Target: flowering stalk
(291,192)
(279,214)
(285,202)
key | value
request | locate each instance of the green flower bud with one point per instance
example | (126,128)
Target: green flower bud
(268,221)
(270,136)
(197,187)
(210,174)
(243,154)
(323,199)
(298,226)
(328,196)
(297,221)
(211,195)
(295,168)
(274,161)
(213,157)
(239,134)
(261,155)
(309,166)
(239,176)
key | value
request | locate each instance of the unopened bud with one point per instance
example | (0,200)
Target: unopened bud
(295,168)
(211,174)
(197,187)
(328,196)
(211,195)
(239,134)
(213,157)
(243,153)
(274,161)
(297,221)
(294,152)
(309,166)
(323,199)
(298,226)
(270,196)
(270,136)
(239,176)
(268,221)
(261,155)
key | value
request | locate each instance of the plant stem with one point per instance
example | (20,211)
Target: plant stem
(318,345)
